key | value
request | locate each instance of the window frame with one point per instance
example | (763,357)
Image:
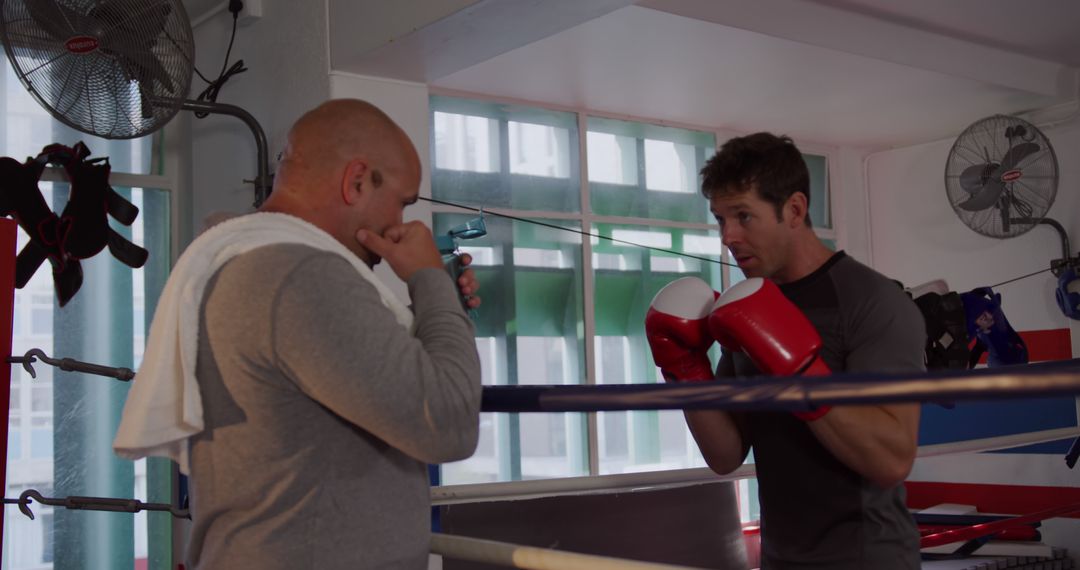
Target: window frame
(594,481)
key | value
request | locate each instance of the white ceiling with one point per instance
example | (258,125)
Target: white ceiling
(868,73)
(1044,29)
(647,63)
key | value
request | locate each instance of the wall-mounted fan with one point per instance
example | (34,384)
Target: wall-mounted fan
(116,69)
(1001,176)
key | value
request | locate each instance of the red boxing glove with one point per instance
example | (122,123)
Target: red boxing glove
(755,317)
(678,332)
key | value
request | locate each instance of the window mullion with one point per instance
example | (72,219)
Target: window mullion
(589,294)
(511,465)
(725,265)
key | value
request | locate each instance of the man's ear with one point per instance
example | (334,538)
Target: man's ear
(796,206)
(355,180)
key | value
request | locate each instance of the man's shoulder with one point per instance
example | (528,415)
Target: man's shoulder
(268,269)
(871,299)
(288,254)
(868,296)
(280,260)
(854,280)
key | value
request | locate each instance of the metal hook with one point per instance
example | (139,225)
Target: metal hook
(28,360)
(24,501)
(107,504)
(69,365)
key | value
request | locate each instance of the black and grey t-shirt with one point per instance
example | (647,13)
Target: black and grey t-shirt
(815,512)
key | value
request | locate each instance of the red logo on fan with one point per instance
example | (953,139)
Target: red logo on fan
(81,44)
(1011,175)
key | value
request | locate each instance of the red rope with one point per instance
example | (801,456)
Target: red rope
(984,529)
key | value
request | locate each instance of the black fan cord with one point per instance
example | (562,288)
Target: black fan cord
(211,92)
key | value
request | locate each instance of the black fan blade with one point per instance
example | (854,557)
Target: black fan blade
(148,69)
(132,48)
(974,177)
(55,19)
(130,17)
(1016,154)
(985,198)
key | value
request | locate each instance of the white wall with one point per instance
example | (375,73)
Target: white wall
(849,202)
(916,237)
(286,55)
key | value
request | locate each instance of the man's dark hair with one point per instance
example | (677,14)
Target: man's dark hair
(764,161)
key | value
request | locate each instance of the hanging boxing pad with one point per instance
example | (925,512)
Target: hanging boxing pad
(946,331)
(92,201)
(22,200)
(986,322)
(1068,294)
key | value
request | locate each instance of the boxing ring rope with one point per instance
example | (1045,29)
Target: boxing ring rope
(531,557)
(794,393)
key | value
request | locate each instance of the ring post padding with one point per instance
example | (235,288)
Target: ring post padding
(7,310)
(531,557)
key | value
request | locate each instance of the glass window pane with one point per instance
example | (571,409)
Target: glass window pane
(483,466)
(819,190)
(41,444)
(466,143)
(539,150)
(75,457)
(646,171)
(528,332)
(14,445)
(626,278)
(41,321)
(47,538)
(41,397)
(734,273)
(509,156)
(612,158)
(670,167)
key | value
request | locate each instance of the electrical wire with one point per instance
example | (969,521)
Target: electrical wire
(211,92)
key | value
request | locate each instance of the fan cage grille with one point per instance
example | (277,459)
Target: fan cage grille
(1027,199)
(117,69)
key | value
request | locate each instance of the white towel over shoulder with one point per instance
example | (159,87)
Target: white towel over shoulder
(163,408)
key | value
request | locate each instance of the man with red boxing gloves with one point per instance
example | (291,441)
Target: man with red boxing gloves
(829,479)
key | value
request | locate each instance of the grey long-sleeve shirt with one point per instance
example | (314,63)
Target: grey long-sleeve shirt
(321,412)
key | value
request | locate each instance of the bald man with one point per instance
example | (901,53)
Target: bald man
(322,405)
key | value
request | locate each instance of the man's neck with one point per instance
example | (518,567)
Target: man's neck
(325,219)
(807,256)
